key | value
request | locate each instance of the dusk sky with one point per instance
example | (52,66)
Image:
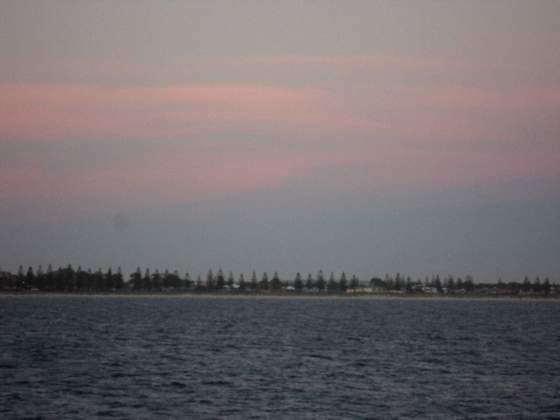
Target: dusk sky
(366,136)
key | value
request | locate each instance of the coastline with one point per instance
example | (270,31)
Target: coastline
(287,296)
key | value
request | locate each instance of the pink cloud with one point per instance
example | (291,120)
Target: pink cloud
(398,139)
(77,112)
(438,114)
(362,62)
(161,176)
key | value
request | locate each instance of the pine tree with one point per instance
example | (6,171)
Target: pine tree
(343,284)
(264,285)
(40,278)
(210,284)
(331,284)
(166,279)
(309,282)
(408,285)
(147,280)
(354,282)
(49,279)
(398,282)
(119,280)
(30,277)
(20,279)
(546,286)
(254,284)
(157,280)
(136,279)
(320,283)
(469,283)
(276,284)
(537,285)
(298,283)
(220,280)
(438,285)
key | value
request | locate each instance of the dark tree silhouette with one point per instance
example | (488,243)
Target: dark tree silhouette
(210,284)
(343,284)
(69,280)
(198,285)
(254,284)
(309,282)
(537,287)
(320,283)
(20,278)
(220,280)
(546,287)
(354,282)
(469,283)
(275,284)
(332,286)
(264,284)
(136,279)
(242,283)
(298,283)
(30,278)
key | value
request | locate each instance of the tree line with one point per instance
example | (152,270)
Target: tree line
(68,279)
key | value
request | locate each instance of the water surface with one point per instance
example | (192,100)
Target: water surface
(66,357)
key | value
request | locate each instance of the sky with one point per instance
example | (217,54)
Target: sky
(369,137)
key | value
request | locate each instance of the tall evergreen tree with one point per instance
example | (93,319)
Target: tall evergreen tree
(166,279)
(99,280)
(147,281)
(109,280)
(354,282)
(320,283)
(331,284)
(469,283)
(118,279)
(264,284)
(275,283)
(537,287)
(398,282)
(298,283)
(408,285)
(438,285)
(157,282)
(254,284)
(546,286)
(210,283)
(30,277)
(136,279)
(40,278)
(343,284)
(450,283)
(309,282)
(20,278)
(220,280)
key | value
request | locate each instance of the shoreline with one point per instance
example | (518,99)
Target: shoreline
(284,296)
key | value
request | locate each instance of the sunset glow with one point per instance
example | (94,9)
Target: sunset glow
(115,121)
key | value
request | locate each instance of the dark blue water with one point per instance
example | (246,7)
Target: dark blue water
(173,357)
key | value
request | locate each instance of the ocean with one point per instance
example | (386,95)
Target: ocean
(147,357)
